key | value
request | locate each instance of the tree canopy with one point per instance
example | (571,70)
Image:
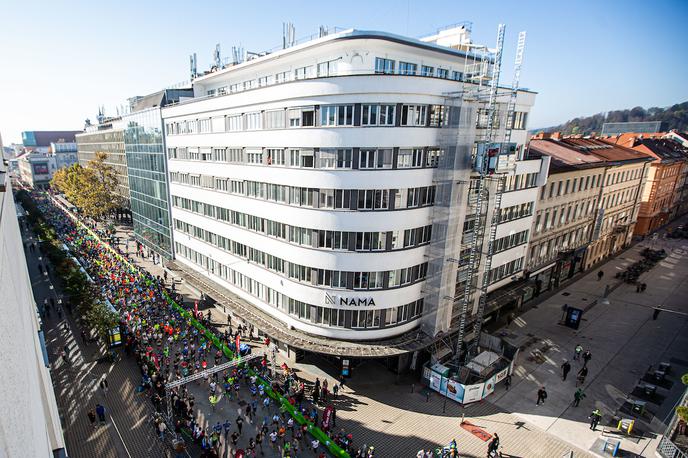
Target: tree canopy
(91,188)
(673,117)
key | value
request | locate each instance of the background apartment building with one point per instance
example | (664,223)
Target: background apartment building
(106,137)
(663,192)
(565,214)
(620,186)
(326,185)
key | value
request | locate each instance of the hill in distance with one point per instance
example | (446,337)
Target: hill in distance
(673,117)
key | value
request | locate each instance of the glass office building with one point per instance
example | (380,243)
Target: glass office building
(145,152)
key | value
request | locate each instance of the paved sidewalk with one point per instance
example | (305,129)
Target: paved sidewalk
(623,339)
(127,432)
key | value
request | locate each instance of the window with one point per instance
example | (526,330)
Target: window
(369,115)
(410,158)
(373,199)
(275,157)
(274,119)
(254,121)
(337,115)
(307,158)
(518,121)
(263,81)
(304,72)
(426,70)
(282,77)
(327,68)
(438,115)
(301,117)
(406,68)
(375,159)
(254,156)
(384,65)
(330,158)
(204,126)
(413,115)
(233,123)
(457,76)
(442,73)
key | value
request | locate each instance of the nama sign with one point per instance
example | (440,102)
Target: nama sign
(333,299)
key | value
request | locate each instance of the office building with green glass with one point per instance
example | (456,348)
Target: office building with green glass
(144,146)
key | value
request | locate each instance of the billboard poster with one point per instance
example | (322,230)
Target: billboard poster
(435,381)
(40,169)
(489,386)
(455,391)
(473,393)
(501,375)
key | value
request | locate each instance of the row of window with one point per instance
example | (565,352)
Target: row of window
(321,70)
(620,197)
(516,121)
(332,199)
(351,319)
(518,182)
(565,214)
(515,212)
(315,238)
(548,249)
(510,241)
(311,275)
(389,67)
(319,158)
(565,187)
(343,115)
(620,177)
(505,270)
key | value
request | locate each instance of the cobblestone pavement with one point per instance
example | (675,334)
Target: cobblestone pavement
(127,432)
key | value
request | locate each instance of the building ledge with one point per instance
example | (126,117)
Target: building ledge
(408,342)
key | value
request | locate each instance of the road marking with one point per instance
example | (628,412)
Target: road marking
(120,436)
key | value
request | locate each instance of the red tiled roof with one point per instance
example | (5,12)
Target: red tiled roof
(585,152)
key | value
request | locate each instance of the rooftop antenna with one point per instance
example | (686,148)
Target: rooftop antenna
(288,35)
(192,66)
(237,54)
(216,57)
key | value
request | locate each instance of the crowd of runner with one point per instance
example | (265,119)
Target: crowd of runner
(167,348)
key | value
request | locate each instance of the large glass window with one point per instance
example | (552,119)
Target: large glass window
(384,65)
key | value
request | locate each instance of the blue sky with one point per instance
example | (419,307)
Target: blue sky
(61,60)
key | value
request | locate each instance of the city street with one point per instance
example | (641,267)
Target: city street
(378,409)
(624,341)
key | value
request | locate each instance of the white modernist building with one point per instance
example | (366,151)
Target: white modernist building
(326,185)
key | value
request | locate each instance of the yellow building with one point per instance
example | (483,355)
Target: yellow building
(587,209)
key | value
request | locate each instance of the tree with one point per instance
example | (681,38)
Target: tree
(91,188)
(101,318)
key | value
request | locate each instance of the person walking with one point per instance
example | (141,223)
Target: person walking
(92,417)
(507,382)
(587,356)
(541,396)
(581,376)
(565,369)
(104,386)
(100,411)
(578,396)
(240,423)
(600,274)
(595,418)
(493,446)
(577,352)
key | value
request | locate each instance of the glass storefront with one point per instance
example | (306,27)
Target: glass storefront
(145,152)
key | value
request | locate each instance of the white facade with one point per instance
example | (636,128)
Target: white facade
(37,168)
(30,424)
(306,181)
